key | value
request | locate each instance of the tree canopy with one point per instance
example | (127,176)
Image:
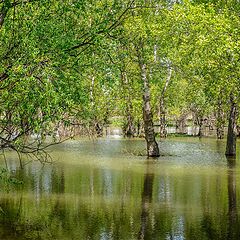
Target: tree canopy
(76,62)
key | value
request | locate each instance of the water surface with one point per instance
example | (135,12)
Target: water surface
(105,189)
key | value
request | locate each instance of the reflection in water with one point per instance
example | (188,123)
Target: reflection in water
(190,196)
(10,225)
(107,183)
(146,198)
(224,226)
(232,200)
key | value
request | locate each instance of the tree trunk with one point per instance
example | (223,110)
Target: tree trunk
(129,129)
(238,131)
(98,129)
(220,132)
(162,109)
(220,120)
(231,135)
(162,120)
(152,146)
(129,132)
(181,124)
(96,125)
(200,132)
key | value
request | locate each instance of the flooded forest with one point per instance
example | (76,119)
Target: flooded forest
(119,119)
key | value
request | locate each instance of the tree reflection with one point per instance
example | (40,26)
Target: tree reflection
(214,228)
(146,198)
(232,200)
(10,218)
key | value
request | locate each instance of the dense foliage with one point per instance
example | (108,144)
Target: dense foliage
(76,63)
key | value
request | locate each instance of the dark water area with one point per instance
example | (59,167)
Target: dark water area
(105,189)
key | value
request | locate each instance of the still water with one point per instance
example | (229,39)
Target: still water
(105,189)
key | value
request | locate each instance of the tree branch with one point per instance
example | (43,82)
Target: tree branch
(89,40)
